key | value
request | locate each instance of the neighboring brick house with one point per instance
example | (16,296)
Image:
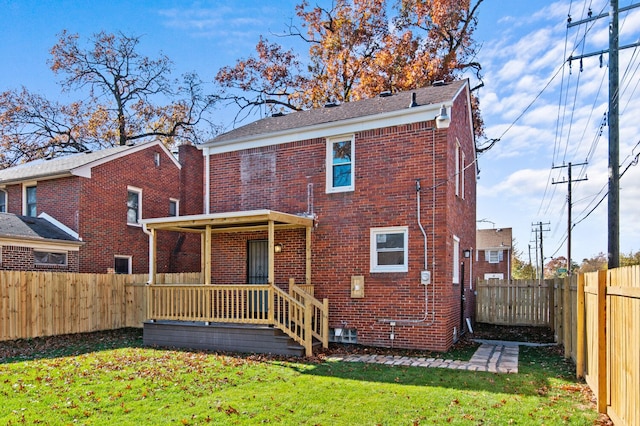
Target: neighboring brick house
(393,195)
(493,254)
(100,196)
(37,244)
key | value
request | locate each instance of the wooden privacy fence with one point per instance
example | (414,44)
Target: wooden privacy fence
(608,340)
(36,304)
(595,317)
(517,302)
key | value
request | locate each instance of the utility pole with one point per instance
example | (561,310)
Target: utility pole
(569,181)
(538,227)
(613,228)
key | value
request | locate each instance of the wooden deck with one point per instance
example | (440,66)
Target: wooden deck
(296,314)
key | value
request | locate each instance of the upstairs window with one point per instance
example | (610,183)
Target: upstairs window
(493,256)
(3,201)
(389,249)
(30,208)
(340,164)
(134,205)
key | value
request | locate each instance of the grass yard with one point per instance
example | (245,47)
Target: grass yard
(108,378)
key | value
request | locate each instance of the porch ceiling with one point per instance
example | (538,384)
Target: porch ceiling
(229,221)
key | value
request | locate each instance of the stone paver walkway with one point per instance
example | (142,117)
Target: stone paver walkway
(498,357)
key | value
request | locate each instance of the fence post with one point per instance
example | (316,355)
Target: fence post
(308,334)
(580,329)
(552,305)
(325,323)
(566,317)
(601,335)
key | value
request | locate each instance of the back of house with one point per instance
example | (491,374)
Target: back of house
(390,183)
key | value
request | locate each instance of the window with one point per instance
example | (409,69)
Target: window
(50,258)
(134,205)
(493,256)
(462,168)
(173,207)
(30,201)
(122,265)
(340,164)
(389,249)
(3,201)
(456,260)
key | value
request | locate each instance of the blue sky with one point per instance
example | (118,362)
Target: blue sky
(544,114)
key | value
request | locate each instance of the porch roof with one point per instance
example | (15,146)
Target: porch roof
(229,221)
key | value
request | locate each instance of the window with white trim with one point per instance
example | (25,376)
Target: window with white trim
(30,201)
(493,256)
(462,169)
(390,249)
(3,201)
(340,164)
(456,260)
(50,258)
(122,264)
(174,207)
(134,205)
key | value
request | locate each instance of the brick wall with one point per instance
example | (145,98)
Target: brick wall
(103,214)
(17,258)
(387,163)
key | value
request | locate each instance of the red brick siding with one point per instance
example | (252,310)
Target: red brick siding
(484,267)
(16,258)
(387,163)
(103,213)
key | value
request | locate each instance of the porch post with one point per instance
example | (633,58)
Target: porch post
(207,255)
(271,277)
(308,256)
(152,257)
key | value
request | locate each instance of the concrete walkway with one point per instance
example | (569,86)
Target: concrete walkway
(491,356)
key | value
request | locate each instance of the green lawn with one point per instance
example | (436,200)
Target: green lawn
(113,380)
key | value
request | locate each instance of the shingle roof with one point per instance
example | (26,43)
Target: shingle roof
(433,95)
(57,166)
(32,228)
(493,238)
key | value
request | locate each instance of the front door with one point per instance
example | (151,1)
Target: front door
(258,272)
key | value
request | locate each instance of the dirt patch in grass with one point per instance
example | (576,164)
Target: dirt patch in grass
(512,333)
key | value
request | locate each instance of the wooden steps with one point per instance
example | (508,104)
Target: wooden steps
(223,337)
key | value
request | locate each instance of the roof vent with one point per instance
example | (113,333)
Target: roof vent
(277,114)
(438,83)
(385,94)
(330,105)
(414,103)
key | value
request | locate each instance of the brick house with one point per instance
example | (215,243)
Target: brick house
(493,254)
(37,244)
(100,197)
(389,184)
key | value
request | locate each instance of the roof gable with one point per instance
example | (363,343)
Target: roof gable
(349,117)
(74,165)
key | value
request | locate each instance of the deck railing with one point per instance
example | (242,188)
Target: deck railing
(296,313)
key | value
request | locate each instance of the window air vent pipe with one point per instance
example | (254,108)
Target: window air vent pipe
(413,100)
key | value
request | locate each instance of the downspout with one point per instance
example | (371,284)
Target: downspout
(207,180)
(152,255)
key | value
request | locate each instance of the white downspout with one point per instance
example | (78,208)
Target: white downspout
(207,180)
(152,254)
